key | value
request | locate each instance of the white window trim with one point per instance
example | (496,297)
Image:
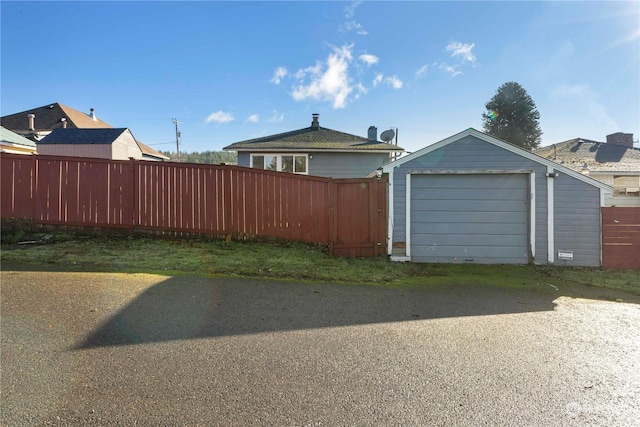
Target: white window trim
(279,160)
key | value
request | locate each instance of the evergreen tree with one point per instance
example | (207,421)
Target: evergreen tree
(512,116)
(205,157)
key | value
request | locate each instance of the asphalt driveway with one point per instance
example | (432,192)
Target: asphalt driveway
(135,349)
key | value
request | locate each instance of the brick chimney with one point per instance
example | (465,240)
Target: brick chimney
(315,121)
(619,138)
(372,133)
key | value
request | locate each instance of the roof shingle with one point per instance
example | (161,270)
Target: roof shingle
(598,156)
(82,136)
(49,117)
(312,138)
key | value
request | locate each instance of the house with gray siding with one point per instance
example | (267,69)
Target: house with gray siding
(317,151)
(472,198)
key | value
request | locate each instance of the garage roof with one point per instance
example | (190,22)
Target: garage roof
(499,143)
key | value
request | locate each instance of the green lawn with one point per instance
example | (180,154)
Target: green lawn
(294,261)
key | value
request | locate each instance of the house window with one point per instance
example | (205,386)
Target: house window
(626,185)
(293,163)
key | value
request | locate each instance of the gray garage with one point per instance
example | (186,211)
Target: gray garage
(472,198)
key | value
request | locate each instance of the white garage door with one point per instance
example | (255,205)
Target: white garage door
(479,219)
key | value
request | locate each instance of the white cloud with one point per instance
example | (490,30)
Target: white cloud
(350,24)
(219,117)
(350,10)
(316,69)
(276,117)
(422,71)
(462,50)
(361,90)
(328,82)
(254,118)
(369,59)
(450,70)
(278,75)
(394,82)
(377,80)
(355,26)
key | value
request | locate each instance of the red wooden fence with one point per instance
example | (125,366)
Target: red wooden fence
(620,237)
(348,215)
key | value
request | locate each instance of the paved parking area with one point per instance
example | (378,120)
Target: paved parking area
(135,349)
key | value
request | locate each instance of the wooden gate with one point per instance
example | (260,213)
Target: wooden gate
(360,226)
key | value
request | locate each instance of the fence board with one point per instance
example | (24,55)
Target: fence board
(621,237)
(179,197)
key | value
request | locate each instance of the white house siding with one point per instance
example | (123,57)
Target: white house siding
(470,153)
(125,147)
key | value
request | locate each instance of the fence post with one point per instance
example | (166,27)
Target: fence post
(34,187)
(331,213)
(134,195)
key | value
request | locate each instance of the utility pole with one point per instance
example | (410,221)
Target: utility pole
(177,122)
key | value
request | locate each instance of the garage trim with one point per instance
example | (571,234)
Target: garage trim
(532,198)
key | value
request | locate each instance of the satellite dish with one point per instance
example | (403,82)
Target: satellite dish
(387,135)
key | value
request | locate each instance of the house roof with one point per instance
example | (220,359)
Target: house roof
(388,168)
(598,156)
(83,136)
(9,137)
(312,138)
(49,117)
(150,152)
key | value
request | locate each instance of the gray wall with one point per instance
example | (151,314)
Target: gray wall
(346,165)
(336,165)
(577,215)
(577,221)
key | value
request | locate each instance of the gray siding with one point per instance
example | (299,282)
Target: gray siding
(244,159)
(336,165)
(470,153)
(577,221)
(346,165)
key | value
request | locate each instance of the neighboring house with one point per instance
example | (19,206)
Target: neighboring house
(472,198)
(11,142)
(37,123)
(317,151)
(616,163)
(106,143)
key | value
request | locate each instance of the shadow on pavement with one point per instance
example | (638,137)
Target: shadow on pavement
(185,308)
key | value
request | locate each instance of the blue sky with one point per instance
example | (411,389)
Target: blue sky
(231,71)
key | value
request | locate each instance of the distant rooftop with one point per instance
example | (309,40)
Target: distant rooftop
(597,156)
(312,138)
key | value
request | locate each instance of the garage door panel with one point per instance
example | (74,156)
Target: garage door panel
(482,194)
(468,228)
(466,206)
(470,218)
(441,217)
(471,252)
(469,241)
(463,181)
